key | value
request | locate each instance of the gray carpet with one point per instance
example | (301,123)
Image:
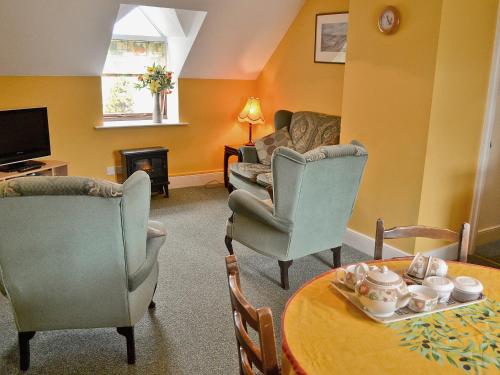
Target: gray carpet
(191,331)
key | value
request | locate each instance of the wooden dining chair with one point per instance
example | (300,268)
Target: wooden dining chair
(262,356)
(461,237)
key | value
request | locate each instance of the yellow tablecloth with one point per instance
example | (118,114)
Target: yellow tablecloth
(323,333)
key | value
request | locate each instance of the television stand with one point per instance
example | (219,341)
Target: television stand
(49,168)
(24,166)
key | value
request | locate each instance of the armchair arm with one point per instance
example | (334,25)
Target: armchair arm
(155,240)
(243,203)
(248,154)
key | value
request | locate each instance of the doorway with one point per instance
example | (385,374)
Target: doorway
(485,246)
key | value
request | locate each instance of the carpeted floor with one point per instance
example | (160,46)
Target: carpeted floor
(191,331)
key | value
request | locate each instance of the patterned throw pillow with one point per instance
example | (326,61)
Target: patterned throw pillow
(309,130)
(266,145)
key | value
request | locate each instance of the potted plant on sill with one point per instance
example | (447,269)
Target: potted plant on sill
(159,81)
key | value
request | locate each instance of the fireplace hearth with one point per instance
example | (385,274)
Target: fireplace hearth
(153,161)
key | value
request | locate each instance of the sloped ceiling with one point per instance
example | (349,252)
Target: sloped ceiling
(71,37)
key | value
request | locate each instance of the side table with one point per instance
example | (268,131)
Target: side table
(229,150)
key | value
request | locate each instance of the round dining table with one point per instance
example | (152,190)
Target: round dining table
(323,333)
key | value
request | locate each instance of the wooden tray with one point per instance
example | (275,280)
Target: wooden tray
(405,312)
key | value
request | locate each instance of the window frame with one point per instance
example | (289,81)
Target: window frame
(109,117)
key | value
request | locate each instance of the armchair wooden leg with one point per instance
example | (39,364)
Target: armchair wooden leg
(284,266)
(336,256)
(230,187)
(228,240)
(152,304)
(24,349)
(128,332)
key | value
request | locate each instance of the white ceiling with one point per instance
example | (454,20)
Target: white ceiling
(71,37)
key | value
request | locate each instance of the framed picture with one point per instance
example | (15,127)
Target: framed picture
(331,38)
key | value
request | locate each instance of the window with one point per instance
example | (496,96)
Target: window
(125,61)
(143,35)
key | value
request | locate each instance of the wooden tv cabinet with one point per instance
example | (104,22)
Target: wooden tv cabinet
(51,168)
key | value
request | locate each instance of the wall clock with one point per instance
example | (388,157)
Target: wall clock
(388,21)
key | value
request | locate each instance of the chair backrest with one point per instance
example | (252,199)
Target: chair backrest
(67,247)
(462,237)
(262,356)
(315,193)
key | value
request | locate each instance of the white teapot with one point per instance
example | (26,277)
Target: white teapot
(380,290)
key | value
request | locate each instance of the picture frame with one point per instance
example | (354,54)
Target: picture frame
(330,42)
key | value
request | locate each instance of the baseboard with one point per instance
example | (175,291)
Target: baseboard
(366,244)
(201,179)
(490,234)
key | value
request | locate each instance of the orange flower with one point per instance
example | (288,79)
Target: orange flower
(363,289)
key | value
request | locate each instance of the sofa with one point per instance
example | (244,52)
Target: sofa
(299,131)
(78,253)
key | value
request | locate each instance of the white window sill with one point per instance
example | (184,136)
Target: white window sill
(138,124)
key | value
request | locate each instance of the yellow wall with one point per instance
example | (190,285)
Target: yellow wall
(413,98)
(291,80)
(74,105)
(458,106)
(387,101)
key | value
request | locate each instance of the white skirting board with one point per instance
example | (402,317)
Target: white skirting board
(195,180)
(366,244)
(489,234)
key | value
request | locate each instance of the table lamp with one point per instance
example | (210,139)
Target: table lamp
(252,114)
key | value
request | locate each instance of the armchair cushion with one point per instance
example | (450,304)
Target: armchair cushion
(265,146)
(249,171)
(248,154)
(309,130)
(265,179)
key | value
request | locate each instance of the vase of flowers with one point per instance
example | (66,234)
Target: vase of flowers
(159,81)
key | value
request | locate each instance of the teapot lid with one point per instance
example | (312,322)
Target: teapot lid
(383,276)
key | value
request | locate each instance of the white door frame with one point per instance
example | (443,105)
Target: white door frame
(489,123)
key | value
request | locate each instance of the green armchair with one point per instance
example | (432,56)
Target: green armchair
(78,253)
(313,196)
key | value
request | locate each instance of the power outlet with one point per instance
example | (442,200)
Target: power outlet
(110,171)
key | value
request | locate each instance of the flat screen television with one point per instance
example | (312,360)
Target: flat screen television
(24,135)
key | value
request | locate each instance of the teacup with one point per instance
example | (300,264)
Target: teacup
(418,266)
(436,267)
(349,276)
(442,285)
(423,298)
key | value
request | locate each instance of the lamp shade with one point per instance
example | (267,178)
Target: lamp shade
(251,112)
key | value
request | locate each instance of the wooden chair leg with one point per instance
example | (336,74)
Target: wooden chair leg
(229,244)
(336,256)
(128,332)
(24,349)
(284,266)
(152,304)
(230,187)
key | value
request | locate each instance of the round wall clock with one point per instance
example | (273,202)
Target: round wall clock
(388,21)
